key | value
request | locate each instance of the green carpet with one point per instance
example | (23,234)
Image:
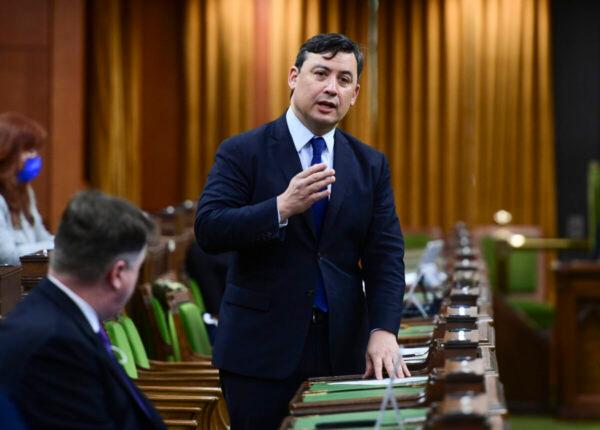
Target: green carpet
(543,422)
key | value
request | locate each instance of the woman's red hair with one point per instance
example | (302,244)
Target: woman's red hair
(18,134)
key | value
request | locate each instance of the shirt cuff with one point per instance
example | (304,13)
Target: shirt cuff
(281,224)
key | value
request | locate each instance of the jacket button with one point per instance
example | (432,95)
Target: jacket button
(310,293)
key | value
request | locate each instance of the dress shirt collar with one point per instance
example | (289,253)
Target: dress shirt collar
(90,314)
(302,135)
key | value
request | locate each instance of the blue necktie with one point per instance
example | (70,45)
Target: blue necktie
(318,212)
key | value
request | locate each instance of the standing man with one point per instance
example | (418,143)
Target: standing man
(309,211)
(55,360)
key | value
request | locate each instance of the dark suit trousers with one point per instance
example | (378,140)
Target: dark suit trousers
(261,404)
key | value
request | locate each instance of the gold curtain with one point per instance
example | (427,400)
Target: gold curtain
(218,55)
(114,113)
(463,105)
(224,74)
(465,110)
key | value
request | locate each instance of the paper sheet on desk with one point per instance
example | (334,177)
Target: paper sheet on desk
(384,382)
(412,351)
(410,278)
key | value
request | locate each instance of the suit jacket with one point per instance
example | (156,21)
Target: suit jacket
(266,308)
(57,371)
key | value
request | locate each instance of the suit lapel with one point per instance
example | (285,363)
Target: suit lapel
(120,375)
(343,162)
(71,310)
(284,152)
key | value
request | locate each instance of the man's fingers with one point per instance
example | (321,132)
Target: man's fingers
(319,176)
(369,368)
(312,169)
(318,196)
(320,185)
(405,368)
(377,364)
(389,366)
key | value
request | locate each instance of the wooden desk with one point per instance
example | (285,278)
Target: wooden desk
(577,336)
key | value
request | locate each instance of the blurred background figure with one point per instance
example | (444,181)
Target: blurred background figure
(21,229)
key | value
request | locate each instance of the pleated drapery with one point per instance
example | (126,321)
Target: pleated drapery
(458,95)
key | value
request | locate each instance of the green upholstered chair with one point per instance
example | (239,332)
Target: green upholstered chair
(135,342)
(166,328)
(522,281)
(195,329)
(522,276)
(416,240)
(118,338)
(197,295)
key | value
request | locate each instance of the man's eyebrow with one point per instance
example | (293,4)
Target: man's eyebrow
(322,66)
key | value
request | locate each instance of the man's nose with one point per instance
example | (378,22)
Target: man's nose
(332,87)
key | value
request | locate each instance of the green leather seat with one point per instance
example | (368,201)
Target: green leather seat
(135,342)
(197,295)
(118,338)
(195,329)
(166,328)
(522,278)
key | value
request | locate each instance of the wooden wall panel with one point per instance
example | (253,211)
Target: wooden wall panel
(41,76)
(24,23)
(66,157)
(162,104)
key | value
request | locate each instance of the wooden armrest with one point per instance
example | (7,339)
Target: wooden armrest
(156,389)
(178,372)
(166,379)
(179,412)
(517,241)
(183,365)
(173,424)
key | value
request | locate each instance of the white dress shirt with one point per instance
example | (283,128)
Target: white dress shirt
(301,136)
(90,314)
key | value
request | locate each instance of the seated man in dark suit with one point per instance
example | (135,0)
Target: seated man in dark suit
(55,359)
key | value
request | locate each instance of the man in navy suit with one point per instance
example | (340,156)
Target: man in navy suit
(55,362)
(309,212)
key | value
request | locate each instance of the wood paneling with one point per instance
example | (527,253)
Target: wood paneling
(24,23)
(41,76)
(66,156)
(162,104)
(576,334)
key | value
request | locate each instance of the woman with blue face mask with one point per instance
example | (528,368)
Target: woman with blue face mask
(21,229)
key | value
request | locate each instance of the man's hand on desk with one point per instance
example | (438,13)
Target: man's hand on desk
(304,189)
(382,350)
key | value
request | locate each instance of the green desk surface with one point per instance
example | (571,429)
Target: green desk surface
(325,396)
(413,381)
(413,419)
(415,330)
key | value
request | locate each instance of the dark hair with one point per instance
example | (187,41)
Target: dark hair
(330,43)
(95,230)
(18,134)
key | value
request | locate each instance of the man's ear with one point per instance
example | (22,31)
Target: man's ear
(293,77)
(115,274)
(356,91)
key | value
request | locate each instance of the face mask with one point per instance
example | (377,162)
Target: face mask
(30,169)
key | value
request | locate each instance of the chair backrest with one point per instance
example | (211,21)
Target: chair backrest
(124,353)
(416,240)
(197,295)
(174,338)
(166,327)
(525,268)
(135,342)
(195,329)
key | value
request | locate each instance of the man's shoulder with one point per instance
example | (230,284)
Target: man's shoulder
(253,138)
(359,147)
